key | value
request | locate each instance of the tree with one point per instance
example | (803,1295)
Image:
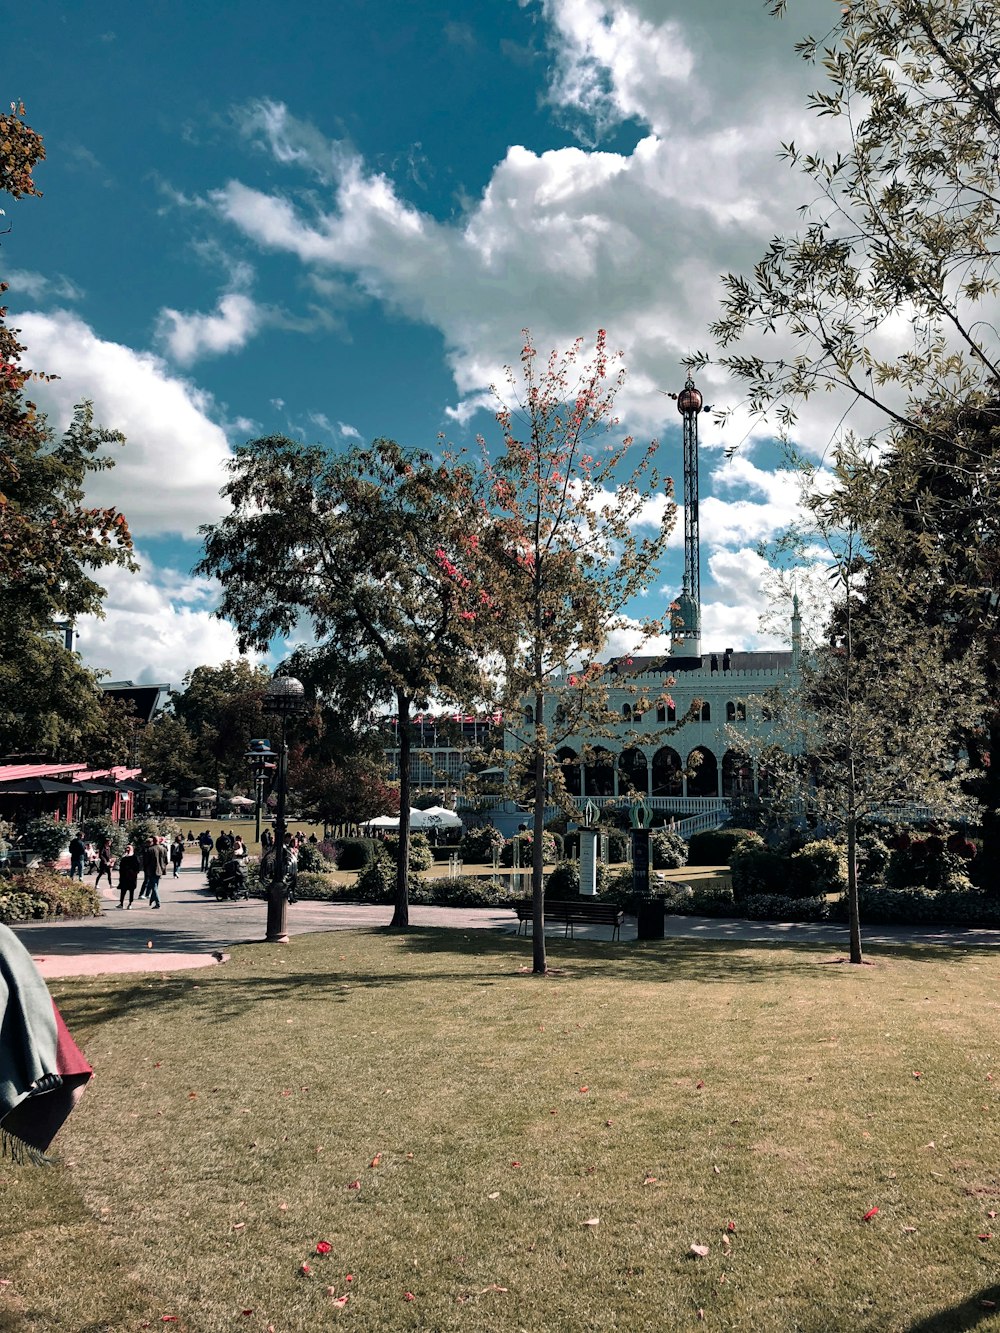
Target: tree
(886,293)
(51,542)
(362,547)
(348,791)
(566,502)
(222,708)
(168,753)
(887,296)
(872,722)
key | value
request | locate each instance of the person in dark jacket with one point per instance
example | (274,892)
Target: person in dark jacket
(77,856)
(128,876)
(105,862)
(154,865)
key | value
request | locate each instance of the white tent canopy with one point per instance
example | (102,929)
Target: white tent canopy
(436,817)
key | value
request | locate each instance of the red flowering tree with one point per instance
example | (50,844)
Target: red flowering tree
(570,500)
(375,554)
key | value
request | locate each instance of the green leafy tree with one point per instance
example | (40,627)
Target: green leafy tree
(221,708)
(886,291)
(51,542)
(872,722)
(377,551)
(566,503)
(168,753)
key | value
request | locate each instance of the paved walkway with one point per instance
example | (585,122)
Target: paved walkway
(193,930)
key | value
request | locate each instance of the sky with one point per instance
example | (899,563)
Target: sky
(333,221)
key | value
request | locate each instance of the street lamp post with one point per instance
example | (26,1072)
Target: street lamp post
(283,698)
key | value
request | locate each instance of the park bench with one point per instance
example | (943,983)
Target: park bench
(570,912)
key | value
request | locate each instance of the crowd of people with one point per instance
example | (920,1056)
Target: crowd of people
(147,860)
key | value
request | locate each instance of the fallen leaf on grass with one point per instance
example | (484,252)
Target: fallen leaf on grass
(494,1195)
(515,1163)
(909,1230)
(354,1185)
(492,1287)
(650,1180)
(730,1226)
(591,1222)
(246,1313)
(988,1305)
(409,1296)
(726,1241)
(323,1247)
(282,1207)
(585,1088)
(698,1252)
(700,1083)
(985,1235)
(869,1215)
(305,1270)
(238,1226)
(375,1160)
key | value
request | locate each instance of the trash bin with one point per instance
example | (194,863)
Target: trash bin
(652,912)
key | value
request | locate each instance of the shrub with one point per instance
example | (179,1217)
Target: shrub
(819,867)
(357,853)
(149,826)
(667,849)
(311,858)
(99,827)
(924,863)
(715,847)
(329,852)
(780,907)
(703,900)
(478,844)
(757,870)
(49,837)
(20,907)
(421,856)
(463,891)
(550,848)
(377,884)
(563,880)
(312,886)
(36,894)
(923,907)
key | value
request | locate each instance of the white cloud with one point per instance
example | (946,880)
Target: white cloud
(190,336)
(41,286)
(167,477)
(158,625)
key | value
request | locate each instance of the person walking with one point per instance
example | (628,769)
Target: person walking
(105,862)
(128,876)
(206,845)
(77,856)
(177,854)
(154,865)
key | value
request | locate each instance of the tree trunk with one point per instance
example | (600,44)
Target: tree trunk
(538,960)
(401,908)
(853,912)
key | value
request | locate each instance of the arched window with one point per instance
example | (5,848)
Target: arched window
(703,772)
(706,711)
(633,772)
(627,712)
(569,762)
(599,774)
(671,712)
(741,711)
(529,713)
(667,780)
(730,711)
(661,713)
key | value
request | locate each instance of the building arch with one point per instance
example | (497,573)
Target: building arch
(626,712)
(569,762)
(737,774)
(703,772)
(633,771)
(667,776)
(599,774)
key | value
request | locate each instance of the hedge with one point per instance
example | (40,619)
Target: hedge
(357,853)
(714,847)
(37,894)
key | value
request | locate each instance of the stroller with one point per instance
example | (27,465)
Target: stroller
(230,882)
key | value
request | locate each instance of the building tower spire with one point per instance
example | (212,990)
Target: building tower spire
(686,641)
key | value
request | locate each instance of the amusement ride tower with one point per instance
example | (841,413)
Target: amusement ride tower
(686,638)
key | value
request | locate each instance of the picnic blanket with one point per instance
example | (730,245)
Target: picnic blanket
(42,1070)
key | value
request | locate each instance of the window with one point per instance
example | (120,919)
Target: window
(529,714)
(661,713)
(627,712)
(706,712)
(730,712)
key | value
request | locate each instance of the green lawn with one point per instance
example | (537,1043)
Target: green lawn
(522,1153)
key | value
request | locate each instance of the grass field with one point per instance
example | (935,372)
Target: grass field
(485,1150)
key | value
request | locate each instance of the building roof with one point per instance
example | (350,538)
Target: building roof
(726,661)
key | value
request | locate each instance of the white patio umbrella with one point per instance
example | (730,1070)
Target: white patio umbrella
(240,800)
(441,817)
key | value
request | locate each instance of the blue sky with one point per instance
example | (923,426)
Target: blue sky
(333,221)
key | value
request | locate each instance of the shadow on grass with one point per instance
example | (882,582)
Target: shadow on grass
(306,975)
(983,1305)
